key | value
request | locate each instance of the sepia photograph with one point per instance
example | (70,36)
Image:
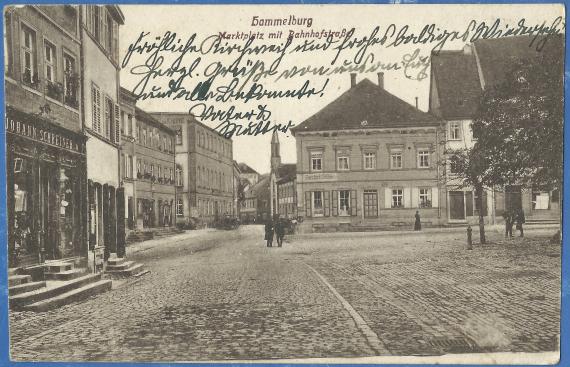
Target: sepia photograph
(293,183)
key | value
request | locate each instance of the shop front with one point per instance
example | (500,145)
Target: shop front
(46,196)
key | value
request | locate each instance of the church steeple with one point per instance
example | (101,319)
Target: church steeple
(275,152)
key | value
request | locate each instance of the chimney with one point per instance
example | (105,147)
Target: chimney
(352,79)
(416,103)
(381,80)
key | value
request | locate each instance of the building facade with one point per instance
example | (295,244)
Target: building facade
(236,190)
(101,122)
(127,102)
(205,162)
(155,191)
(249,174)
(46,148)
(256,206)
(368,160)
(283,187)
(458,79)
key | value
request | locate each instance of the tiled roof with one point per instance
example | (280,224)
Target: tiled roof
(366,106)
(456,79)
(496,55)
(244,168)
(145,116)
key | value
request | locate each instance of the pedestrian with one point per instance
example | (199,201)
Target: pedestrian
(279,232)
(520,219)
(507,215)
(269,233)
(418,224)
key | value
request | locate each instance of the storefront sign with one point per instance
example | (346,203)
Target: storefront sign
(319,177)
(42,135)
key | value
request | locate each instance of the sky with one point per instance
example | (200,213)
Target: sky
(206,20)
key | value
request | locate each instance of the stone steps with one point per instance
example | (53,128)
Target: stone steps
(14,280)
(133,270)
(23,299)
(26,287)
(77,294)
(119,266)
(64,275)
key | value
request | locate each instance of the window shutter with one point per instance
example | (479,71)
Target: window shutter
(117,124)
(335,203)
(434,197)
(115,46)
(387,198)
(415,197)
(327,203)
(407,197)
(353,201)
(91,214)
(308,204)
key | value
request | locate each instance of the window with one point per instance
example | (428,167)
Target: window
(343,163)
(123,123)
(70,81)
(454,131)
(96,20)
(96,102)
(344,203)
(370,204)
(179,207)
(8,57)
(130,124)
(29,57)
(160,172)
(130,166)
(423,159)
(139,168)
(540,200)
(169,175)
(396,160)
(316,161)
(453,167)
(425,198)
(318,210)
(50,62)
(108,117)
(178,176)
(397,198)
(369,160)
(109,33)
(144,136)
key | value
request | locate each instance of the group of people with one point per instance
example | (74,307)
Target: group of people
(514,218)
(274,228)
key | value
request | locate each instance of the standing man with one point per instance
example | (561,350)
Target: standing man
(269,232)
(280,231)
(508,223)
(520,221)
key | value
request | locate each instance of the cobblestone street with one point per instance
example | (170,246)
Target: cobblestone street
(218,295)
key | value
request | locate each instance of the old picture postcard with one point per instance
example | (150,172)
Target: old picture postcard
(284,183)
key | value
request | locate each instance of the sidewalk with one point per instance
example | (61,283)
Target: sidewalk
(137,247)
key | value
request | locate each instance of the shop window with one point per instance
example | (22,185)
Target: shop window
(397,198)
(29,59)
(425,198)
(370,204)
(344,203)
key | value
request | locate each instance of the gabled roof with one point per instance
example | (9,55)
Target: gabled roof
(366,106)
(496,55)
(286,172)
(260,189)
(244,168)
(456,79)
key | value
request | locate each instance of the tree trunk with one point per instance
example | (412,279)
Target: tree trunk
(479,191)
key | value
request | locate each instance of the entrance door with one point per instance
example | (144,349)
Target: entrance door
(456,205)
(49,215)
(513,198)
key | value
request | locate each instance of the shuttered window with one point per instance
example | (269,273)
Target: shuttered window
(117,136)
(96,103)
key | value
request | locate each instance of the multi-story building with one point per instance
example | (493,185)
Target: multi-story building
(155,191)
(256,206)
(458,79)
(127,102)
(283,183)
(248,173)
(46,149)
(236,190)
(101,121)
(205,164)
(368,160)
